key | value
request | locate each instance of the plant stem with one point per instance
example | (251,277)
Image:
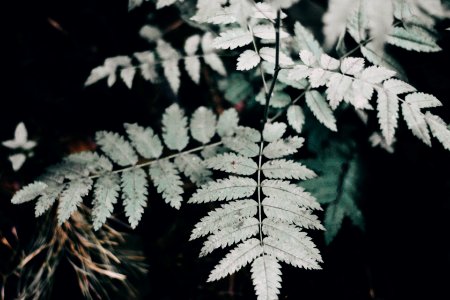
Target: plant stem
(150,162)
(266,115)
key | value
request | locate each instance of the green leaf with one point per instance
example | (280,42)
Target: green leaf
(134,194)
(175,131)
(146,142)
(168,182)
(115,146)
(29,192)
(203,125)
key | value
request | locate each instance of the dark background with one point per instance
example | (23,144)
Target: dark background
(51,46)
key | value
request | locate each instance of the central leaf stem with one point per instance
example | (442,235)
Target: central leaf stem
(266,116)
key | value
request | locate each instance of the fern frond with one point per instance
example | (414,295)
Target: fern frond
(237,258)
(266,277)
(290,233)
(321,110)
(146,142)
(134,193)
(416,122)
(232,163)
(439,129)
(286,169)
(222,217)
(387,106)
(168,182)
(280,148)
(29,192)
(175,131)
(413,38)
(295,117)
(116,148)
(233,39)
(290,212)
(305,40)
(48,198)
(71,180)
(288,253)
(248,60)
(227,123)
(225,189)
(106,192)
(71,198)
(203,125)
(170,59)
(193,167)
(230,235)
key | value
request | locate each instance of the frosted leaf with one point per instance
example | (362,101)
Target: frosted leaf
(203,125)
(319,107)
(248,60)
(175,131)
(296,117)
(273,131)
(232,163)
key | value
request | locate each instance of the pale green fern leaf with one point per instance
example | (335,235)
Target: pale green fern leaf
(237,258)
(286,169)
(413,38)
(227,123)
(106,192)
(334,217)
(387,106)
(225,189)
(170,59)
(175,131)
(291,213)
(288,253)
(248,60)
(305,40)
(232,163)
(230,235)
(203,125)
(295,117)
(281,189)
(48,198)
(398,87)
(29,192)
(439,129)
(193,167)
(232,39)
(376,74)
(222,217)
(134,194)
(211,58)
(266,277)
(382,59)
(191,62)
(289,233)
(116,148)
(274,131)
(146,142)
(338,85)
(422,100)
(168,182)
(241,145)
(320,108)
(416,122)
(71,197)
(280,148)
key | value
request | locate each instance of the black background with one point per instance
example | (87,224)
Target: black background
(404,254)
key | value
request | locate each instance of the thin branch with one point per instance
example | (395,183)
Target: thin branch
(150,162)
(265,118)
